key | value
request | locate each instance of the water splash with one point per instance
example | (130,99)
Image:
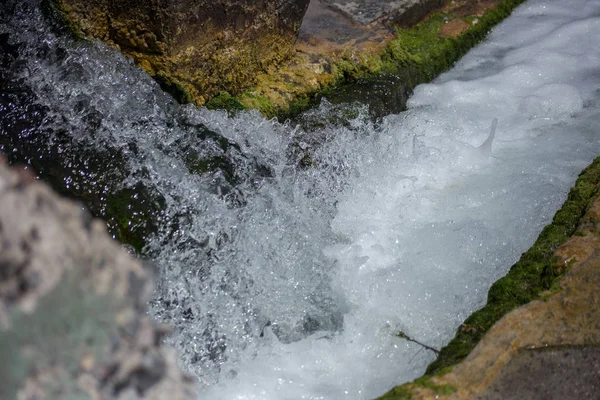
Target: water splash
(486,147)
(290,257)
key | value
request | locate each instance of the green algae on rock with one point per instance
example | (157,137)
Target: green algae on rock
(237,56)
(194,48)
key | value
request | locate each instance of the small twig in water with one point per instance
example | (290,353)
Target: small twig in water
(404,336)
(416,354)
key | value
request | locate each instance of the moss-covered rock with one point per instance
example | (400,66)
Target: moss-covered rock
(235,55)
(194,48)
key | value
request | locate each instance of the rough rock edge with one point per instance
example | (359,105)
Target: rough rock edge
(192,48)
(73,320)
(565,314)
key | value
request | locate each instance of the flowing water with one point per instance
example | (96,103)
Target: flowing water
(290,255)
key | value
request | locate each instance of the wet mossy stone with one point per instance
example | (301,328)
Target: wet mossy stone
(197,165)
(90,176)
(195,49)
(133,214)
(225,101)
(58,21)
(96,175)
(174,86)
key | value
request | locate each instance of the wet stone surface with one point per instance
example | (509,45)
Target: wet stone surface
(550,373)
(327,29)
(368,11)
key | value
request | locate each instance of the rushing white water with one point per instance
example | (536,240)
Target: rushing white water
(291,283)
(427,220)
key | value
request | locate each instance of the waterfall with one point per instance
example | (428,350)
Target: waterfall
(290,255)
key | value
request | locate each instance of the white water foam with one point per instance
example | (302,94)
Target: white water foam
(429,217)
(292,282)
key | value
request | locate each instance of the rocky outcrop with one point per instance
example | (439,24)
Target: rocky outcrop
(73,320)
(548,348)
(194,48)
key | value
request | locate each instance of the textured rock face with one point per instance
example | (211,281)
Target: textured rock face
(72,306)
(195,48)
(549,373)
(399,12)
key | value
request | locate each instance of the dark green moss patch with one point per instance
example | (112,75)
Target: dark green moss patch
(398,393)
(197,165)
(174,86)
(307,162)
(427,54)
(300,104)
(225,101)
(132,215)
(58,13)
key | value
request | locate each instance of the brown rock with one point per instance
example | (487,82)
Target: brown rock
(454,28)
(194,48)
(466,8)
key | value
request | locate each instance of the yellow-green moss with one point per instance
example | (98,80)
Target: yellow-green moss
(191,73)
(257,101)
(426,382)
(225,101)
(213,69)
(63,13)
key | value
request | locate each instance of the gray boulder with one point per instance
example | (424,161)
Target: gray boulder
(73,321)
